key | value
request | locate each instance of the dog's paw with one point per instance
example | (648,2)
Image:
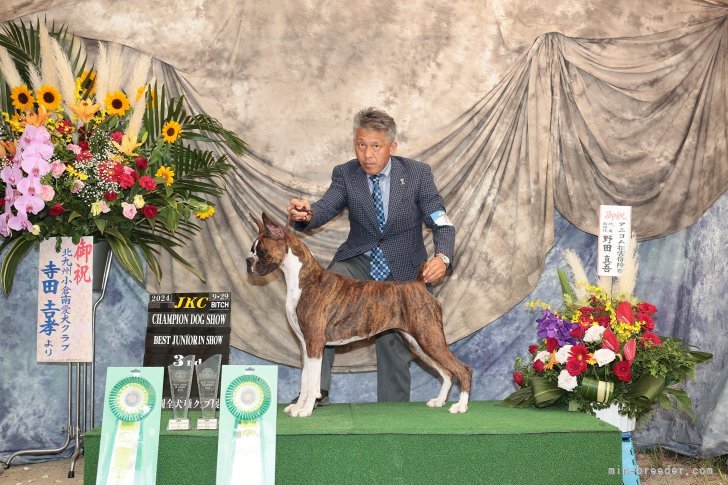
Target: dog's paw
(436,402)
(302,413)
(289,409)
(459,408)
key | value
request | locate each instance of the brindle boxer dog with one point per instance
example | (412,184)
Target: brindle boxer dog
(325,308)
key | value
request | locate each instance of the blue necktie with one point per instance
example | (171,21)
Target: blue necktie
(379,269)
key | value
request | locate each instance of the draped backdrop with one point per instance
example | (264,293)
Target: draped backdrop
(520,107)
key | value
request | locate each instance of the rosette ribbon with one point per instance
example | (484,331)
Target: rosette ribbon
(595,390)
(248,397)
(130,400)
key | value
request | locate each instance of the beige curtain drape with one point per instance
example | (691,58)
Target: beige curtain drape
(571,123)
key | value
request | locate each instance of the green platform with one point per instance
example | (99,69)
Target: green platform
(408,443)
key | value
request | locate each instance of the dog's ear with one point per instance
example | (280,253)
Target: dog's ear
(261,228)
(272,229)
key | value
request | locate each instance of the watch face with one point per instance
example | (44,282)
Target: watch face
(444,259)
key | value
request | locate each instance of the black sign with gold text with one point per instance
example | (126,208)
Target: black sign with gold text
(181,324)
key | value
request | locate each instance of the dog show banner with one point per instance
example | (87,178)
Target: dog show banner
(182,324)
(246,446)
(615,229)
(130,426)
(65,300)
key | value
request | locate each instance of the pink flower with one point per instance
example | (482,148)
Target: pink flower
(47,193)
(30,186)
(629,350)
(20,222)
(128,210)
(29,203)
(57,168)
(74,148)
(76,185)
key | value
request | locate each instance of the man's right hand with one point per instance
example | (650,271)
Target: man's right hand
(300,210)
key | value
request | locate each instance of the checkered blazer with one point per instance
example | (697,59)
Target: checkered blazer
(413,197)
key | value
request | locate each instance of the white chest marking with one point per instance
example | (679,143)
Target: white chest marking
(291,267)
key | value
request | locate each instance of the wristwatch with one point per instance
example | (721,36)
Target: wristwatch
(444,258)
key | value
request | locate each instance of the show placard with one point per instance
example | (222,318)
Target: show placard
(615,228)
(65,301)
(183,324)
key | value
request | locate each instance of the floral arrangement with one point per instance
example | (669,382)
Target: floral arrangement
(83,154)
(600,349)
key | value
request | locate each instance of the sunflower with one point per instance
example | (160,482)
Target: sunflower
(22,98)
(171,131)
(87,83)
(117,103)
(202,215)
(49,98)
(166,174)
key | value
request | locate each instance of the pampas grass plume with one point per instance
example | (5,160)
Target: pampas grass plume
(65,74)
(102,74)
(48,71)
(137,117)
(578,273)
(9,72)
(628,278)
(139,75)
(116,68)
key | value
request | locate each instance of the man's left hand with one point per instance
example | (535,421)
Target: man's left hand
(434,270)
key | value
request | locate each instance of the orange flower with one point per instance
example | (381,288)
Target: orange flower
(38,119)
(85,110)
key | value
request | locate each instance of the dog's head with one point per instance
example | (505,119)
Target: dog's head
(269,250)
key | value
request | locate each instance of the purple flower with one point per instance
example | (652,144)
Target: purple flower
(552,326)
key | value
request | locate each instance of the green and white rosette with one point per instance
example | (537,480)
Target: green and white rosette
(247,400)
(129,402)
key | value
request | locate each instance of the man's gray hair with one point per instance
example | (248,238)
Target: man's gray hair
(376,120)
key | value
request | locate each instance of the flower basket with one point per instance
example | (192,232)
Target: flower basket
(103,152)
(598,353)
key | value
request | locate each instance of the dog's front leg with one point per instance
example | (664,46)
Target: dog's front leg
(304,383)
(313,379)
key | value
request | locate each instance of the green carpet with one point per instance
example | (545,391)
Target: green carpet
(408,443)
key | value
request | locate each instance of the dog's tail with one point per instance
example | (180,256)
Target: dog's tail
(420,273)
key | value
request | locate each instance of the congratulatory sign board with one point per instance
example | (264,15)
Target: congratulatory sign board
(183,324)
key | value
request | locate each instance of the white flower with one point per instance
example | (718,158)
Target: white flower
(543,356)
(36,230)
(139,201)
(604,356)
(567,381)
(594,333)
(563,354)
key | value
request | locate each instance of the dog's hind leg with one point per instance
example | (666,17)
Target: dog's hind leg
(439,401)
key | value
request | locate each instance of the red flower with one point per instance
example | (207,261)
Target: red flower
(629,350)
(609,341)
(586,310)
(533,349)
(56,210)
(111,196)
(576,364)
(83,145)
(578,332)
(141,163)
(647,308)
(83,156)
(518,377)
(651,338)
(149,211)
(624,313)
(623,370)
(603,321)
(117,136)
(575,367)
(64,127)
(147,183)
(551,344)
(126,181)
(538,366)
(2,203)
(648,324)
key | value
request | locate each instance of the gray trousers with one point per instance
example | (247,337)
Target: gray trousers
(393,357)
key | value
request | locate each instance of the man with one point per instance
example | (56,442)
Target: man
(388,198)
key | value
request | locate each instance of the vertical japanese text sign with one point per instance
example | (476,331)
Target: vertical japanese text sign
(615,228)
(65,295)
